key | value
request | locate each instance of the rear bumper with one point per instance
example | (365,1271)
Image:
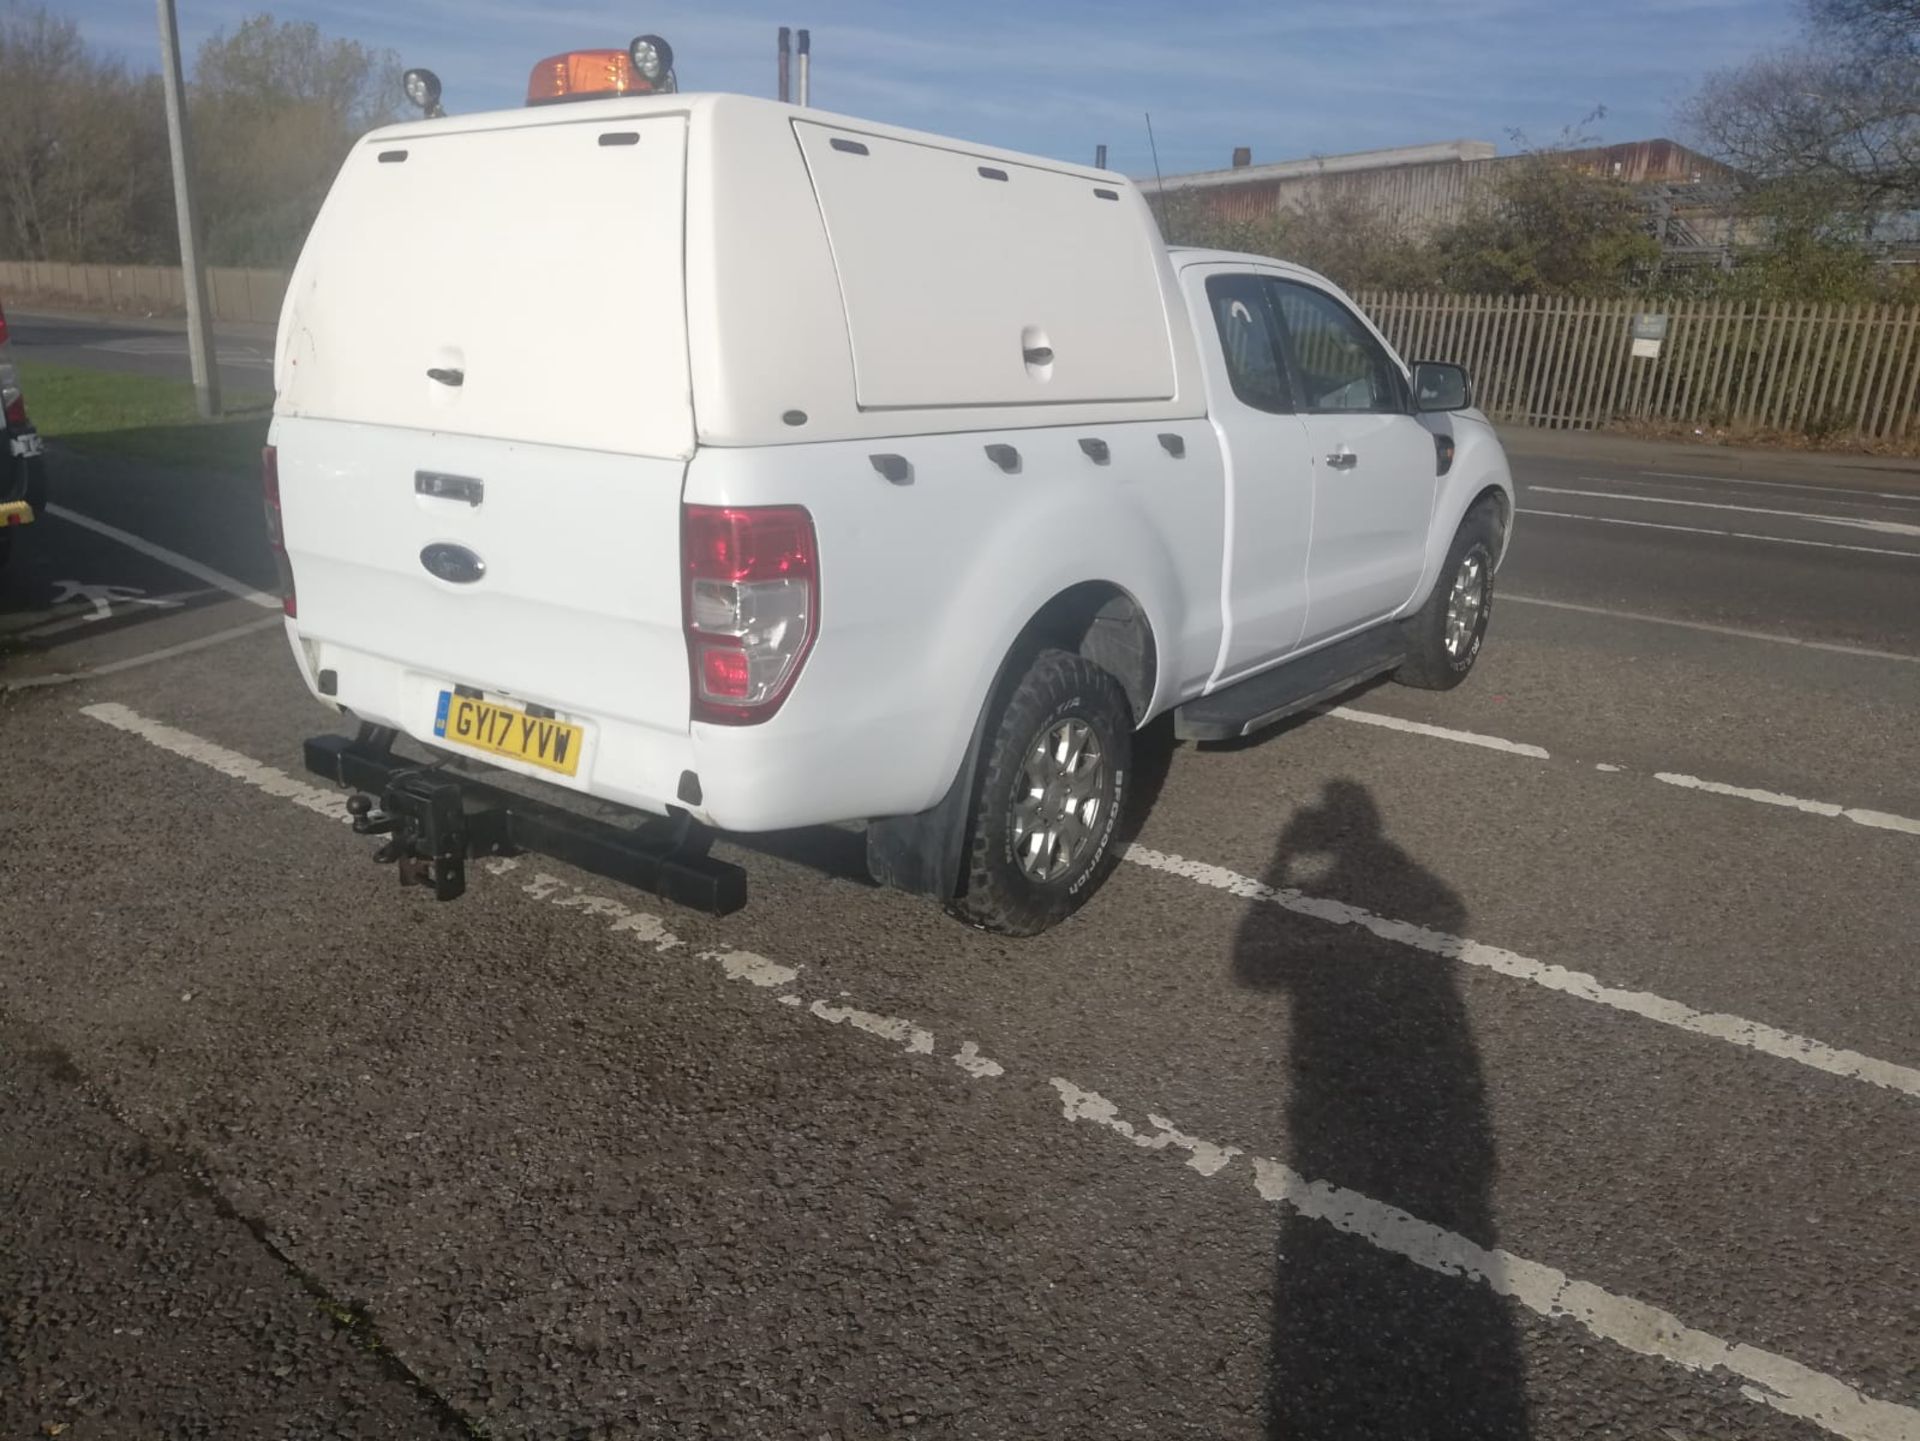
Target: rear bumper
(809,765)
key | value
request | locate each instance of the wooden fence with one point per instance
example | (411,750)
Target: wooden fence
(1823,370)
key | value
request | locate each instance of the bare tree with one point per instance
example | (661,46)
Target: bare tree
(81,162)
(1882,27)
(1843,110)
(276,106)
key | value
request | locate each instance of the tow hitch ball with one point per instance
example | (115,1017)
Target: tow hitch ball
(425,826)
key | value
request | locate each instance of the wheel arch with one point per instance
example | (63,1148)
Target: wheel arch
(1502,502)
(1100,620)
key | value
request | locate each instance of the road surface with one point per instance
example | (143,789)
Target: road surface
(141,346)
(1537,1059)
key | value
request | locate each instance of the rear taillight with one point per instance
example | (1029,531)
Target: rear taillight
(752,607)
(276,530)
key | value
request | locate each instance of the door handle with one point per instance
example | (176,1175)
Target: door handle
(449,487)
(1342,460)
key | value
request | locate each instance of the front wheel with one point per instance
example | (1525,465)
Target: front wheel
(1050,788)
(1444,635)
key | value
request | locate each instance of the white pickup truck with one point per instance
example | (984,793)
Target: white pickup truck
(753,467)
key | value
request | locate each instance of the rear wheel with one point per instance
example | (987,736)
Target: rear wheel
(1444,636)
(1049,793)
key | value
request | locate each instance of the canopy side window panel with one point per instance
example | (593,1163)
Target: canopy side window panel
(973,281)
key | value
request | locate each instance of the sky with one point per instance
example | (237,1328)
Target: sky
(1289,78)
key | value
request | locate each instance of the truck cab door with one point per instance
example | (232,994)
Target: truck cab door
(1269,475)
(1374,473)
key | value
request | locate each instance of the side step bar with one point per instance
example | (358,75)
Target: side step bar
(1291,687)
(435,820)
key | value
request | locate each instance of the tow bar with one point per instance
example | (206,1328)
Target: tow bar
(434,821)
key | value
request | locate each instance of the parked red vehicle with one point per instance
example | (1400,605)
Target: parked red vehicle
(23,478)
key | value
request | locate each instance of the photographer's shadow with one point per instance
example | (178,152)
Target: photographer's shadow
(1386,1098)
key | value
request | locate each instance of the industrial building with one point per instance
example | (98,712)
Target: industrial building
(1691,198)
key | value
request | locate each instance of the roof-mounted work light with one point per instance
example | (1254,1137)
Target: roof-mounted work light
(423,89)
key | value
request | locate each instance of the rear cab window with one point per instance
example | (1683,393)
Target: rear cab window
(1250,341)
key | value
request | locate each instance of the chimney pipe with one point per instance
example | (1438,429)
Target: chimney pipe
(1099,157)
(1242,156)
(806,58)
(786,44)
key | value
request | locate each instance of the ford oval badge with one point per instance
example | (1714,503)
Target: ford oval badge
(453,563)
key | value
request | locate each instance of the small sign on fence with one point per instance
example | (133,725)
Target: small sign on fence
(1648,332)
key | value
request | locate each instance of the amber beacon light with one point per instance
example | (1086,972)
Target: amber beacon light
(644,68)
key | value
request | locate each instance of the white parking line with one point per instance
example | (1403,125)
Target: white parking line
(1725,534)
(245,769)
(1509,598)
(1879,820)
(166,652)
(1907,496)
(1883,527)
(187,565)
(1421,728)
(1735,1030)
(1774,1380)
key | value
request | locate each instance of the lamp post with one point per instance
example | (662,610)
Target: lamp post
(200,349)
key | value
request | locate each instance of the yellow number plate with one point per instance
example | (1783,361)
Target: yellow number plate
(504,731)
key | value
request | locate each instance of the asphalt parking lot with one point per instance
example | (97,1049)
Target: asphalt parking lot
(1540,1059)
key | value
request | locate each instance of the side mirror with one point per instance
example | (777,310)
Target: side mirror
(1439,386)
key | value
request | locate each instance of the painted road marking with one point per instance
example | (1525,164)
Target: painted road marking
(1421,728)
(1909,497)
(185,564)
(103,599)
(1879,820)
(1774,1380)
(1883,527)
(167,652)
(246,770)
(1785,1045)
(1508,598)
(1735,1030)
(166,345)
(1725,534)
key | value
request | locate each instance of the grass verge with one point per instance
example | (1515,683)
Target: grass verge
(145,417)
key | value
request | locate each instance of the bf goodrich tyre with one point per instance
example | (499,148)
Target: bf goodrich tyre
(1444,636)
(1053,778)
